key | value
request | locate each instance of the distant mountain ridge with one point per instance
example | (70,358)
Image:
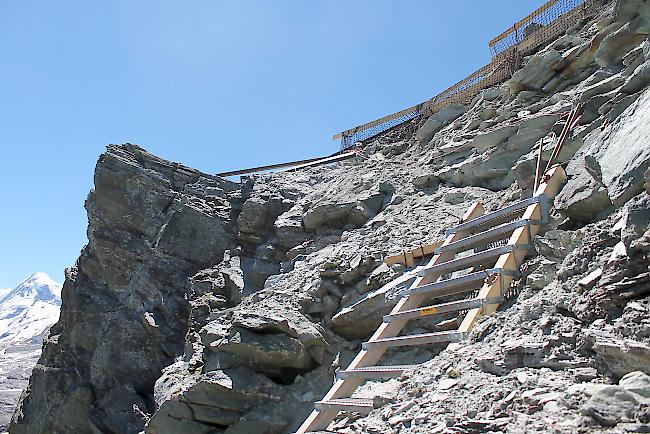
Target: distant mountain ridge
(29,310)
(26,314)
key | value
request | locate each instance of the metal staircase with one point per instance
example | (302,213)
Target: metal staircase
(491,270)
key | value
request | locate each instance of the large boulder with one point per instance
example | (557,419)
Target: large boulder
(259,212)
(619,355)
(616,45)
(437,121)
(361,317)
(639,80)
(625,403)
(212,401)
(270,337)
(493,138)
(611,167)
(538,71)
(344,212)
(583,197)
(623,152)
(288,228)
(500,149)
(244,370)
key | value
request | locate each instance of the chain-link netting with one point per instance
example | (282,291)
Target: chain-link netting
(544,23)
(350,137)
(547,22)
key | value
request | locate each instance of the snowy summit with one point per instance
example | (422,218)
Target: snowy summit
(28,311)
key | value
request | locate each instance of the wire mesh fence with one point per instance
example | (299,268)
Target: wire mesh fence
(460,93)
(545,23)
(363,132)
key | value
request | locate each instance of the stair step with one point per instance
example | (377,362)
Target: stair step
(375,372)
(504,214)
(358,405)
(458,285)
(422,339)
(438,309)
(479,258)
(485,237)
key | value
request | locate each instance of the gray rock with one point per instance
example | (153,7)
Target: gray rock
(288,228)
(622,158)
(621,356)
(602,87)
(424,181)
(616,45)
(493,93)
(635,218)
(493,138)
(611,406)
(636,382)
(256,271)
(341,214)
(622,151)
(437,121)
(583,197)
(257,213)
(145,215)
(636,12)
(542,275)
(214,399)
(539,69)
(639,79)
(362,317)
(269,337)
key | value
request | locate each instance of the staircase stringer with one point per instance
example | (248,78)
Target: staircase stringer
(320,419)
(512,260)
(509,262)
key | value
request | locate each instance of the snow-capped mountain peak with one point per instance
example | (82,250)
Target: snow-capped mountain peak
(28,310)
(38,286)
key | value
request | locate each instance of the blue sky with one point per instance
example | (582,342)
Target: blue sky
(216,85)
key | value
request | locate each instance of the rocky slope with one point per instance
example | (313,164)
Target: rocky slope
(26,314)
(202,305)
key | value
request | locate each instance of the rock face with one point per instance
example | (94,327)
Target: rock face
(612,164)
(201,305)
(125,311)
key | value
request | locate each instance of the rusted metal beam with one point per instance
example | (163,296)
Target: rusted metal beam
(295,165)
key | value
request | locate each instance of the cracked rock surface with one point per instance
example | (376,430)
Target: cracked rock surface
(202,305)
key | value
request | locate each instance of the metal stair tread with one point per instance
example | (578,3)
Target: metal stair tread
(456,285)
(470,260)
(436,309)
(387,371)
(358,405)
(490,235)
(419,339)
(494,217)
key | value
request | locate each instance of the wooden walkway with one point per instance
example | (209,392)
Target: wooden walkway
(497,243)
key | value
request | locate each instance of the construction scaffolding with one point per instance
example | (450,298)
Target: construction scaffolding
(525,36)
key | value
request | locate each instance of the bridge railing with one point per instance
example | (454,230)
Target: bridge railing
(542,25)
